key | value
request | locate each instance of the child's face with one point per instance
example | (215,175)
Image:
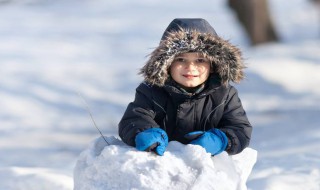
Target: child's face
(190,69)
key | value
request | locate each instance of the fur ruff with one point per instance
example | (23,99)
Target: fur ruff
(226,60)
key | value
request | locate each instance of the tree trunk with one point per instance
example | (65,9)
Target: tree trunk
(254,16)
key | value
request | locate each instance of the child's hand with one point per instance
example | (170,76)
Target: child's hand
(214,141)
(153,139)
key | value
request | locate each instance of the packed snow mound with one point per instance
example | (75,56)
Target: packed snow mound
(119,166)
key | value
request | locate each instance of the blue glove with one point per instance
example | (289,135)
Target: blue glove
(214,141)
(153,139)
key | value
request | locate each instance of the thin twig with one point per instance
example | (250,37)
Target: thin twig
(88,109)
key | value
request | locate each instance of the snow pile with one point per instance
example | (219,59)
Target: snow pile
(120,166)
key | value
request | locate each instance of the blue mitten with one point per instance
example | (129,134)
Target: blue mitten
(214,141)
(193,135)
(153,139)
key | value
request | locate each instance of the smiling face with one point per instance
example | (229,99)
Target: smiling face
(190,69)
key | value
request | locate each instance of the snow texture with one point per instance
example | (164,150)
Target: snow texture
(119,166)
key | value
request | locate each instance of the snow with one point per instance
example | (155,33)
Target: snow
(51,51)
(33,178)
(119,166)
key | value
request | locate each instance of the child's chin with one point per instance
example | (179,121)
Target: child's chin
(191,85)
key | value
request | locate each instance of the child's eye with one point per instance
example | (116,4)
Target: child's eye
(179,59)
(201,60)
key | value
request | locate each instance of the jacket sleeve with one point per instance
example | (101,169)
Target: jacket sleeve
(235,124)
(138,116)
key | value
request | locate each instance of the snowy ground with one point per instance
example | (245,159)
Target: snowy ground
(52,50)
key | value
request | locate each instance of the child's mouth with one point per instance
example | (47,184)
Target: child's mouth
(190,76)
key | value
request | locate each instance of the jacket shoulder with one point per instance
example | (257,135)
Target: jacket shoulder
(153,92)
(149,89)
(221,93)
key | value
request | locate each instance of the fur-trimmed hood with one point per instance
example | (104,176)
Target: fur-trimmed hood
(195,36)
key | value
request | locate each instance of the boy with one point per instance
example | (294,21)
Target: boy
(186,95)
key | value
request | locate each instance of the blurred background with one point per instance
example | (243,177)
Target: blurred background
(53,50)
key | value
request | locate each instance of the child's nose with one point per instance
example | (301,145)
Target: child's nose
(190,65)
